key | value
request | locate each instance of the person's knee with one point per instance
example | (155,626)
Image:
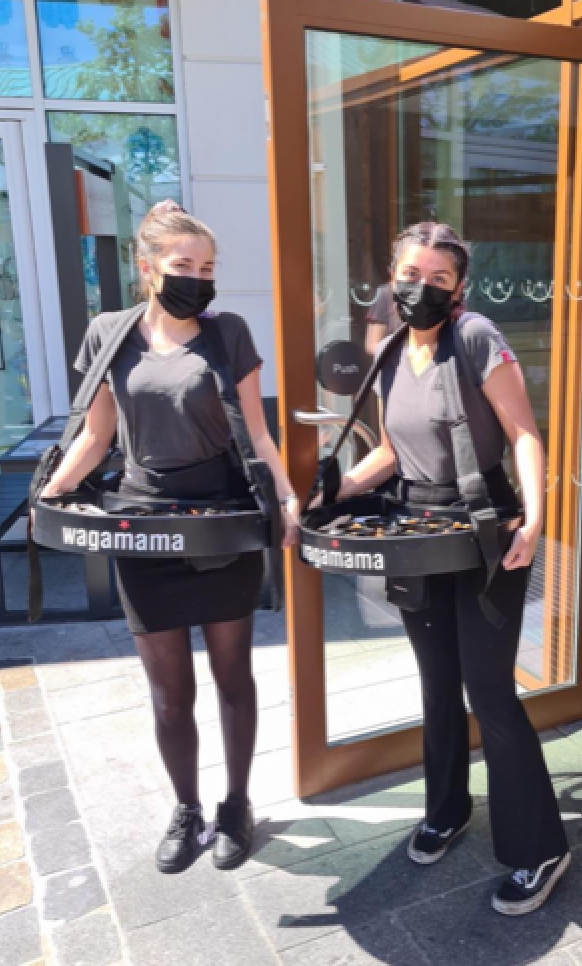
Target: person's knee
(172,710)
(235,685)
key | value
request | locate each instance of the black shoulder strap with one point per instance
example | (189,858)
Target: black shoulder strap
(452,357)
(328,476)
(256,470)
(95,374)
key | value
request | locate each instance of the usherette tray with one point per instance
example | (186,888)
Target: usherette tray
(78,523)
(375,534)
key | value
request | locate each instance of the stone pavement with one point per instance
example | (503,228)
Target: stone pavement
(84,801)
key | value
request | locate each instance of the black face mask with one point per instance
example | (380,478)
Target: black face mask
(422,306)
(185,297)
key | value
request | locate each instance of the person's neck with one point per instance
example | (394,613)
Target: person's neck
(158,320)
(419,338)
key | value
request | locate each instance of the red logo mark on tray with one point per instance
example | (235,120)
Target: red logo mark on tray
(174,506)
(427,513)
(124,525)
(507,356)
(335,543)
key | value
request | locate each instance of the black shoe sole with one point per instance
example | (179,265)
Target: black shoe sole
(227,865)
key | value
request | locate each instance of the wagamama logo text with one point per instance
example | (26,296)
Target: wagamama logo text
(343,560)
(105,540)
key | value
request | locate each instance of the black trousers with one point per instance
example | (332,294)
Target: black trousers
(455,645)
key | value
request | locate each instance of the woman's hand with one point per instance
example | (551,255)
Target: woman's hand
(291,520)
(523,548)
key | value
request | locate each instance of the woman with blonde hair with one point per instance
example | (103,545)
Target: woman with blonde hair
(161,400)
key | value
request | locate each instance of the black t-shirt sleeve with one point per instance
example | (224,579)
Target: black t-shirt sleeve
(90,346)
(240,347)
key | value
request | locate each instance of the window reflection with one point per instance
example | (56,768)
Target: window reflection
(110,51)
(14,69)
(141,155)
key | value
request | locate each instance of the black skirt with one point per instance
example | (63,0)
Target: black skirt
(159,594)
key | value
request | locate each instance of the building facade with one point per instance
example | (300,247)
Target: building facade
(161,98)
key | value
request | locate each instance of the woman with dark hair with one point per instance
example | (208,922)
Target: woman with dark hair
(454,642)
(161,400)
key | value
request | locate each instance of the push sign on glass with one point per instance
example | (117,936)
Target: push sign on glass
(341,367)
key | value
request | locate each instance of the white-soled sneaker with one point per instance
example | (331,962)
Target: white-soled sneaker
(428,845)
(527,889)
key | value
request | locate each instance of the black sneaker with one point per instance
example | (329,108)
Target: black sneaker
(181,843)
(428,845)
(234,835)
(527,889)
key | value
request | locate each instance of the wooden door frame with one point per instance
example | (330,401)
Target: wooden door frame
(317,765)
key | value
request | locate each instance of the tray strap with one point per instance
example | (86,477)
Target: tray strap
(50,459)
(257,471)
(452,355)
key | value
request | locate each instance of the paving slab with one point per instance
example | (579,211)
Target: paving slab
(284,835)
(11,842)
(35,751)
(42,778)
(222,935)
(89,941)
(15,886)
(61,849)
(57,677)
(26,699)
(113,757)
(6,802)
(19,938)
(95,699)
(29,725)
(74,893)
(381,941)
(461,926)
(350,887)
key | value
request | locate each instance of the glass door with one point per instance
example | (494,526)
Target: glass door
(19,317)
(401,130)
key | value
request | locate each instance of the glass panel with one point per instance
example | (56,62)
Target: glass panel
(394,140)
(15,400)
(141,153)
(522,9)
(14,69)
(106,51)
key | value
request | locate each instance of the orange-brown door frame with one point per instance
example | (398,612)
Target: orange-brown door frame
(318,765)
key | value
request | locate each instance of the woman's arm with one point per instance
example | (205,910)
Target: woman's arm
(249,391)
(505,389)
(377,467)
(90,446)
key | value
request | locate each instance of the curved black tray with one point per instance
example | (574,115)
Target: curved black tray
(397,556)
(131,534)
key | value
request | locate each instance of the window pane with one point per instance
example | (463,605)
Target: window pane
(395,139)
(15,399)
(139,154)
(522,9)
(106,51)
(14,72)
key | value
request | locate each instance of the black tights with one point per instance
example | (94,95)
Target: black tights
(167,659)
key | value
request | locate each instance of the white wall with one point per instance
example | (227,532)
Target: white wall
(225,103)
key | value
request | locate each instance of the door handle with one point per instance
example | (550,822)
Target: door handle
(324,417)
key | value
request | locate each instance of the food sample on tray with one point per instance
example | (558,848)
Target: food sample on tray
(399,526)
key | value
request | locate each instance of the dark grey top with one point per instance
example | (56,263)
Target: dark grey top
(415,415)
(168,410)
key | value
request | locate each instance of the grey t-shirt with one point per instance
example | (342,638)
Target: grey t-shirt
(168,410)
(415,415)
